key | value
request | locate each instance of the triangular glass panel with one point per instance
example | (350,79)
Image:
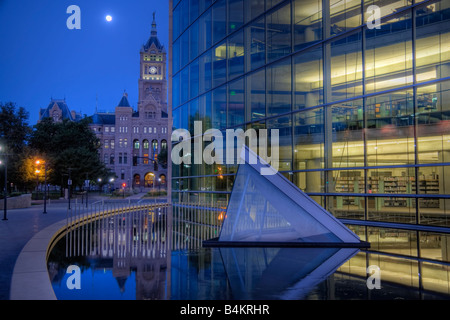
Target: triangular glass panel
(267,209)
(280,273)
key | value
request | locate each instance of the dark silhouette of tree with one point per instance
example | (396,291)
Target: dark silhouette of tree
(69,146)
(14,133)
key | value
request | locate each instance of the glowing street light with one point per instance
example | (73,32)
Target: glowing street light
(38,162)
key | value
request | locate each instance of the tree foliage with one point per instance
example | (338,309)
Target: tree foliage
(69,148)
(14,133)
(14,128)
(162,158)
(30,174)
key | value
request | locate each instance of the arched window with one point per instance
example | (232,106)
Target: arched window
(163,145)
(136,144)
(55,116)
(149,178)
(137,180)
(155,148)
(145,144)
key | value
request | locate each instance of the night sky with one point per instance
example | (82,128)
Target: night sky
(40,58)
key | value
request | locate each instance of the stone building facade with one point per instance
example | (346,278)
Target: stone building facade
(132,140)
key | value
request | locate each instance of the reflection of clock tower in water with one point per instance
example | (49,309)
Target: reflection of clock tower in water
(152,78)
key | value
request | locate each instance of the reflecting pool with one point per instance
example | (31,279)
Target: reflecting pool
(143,255)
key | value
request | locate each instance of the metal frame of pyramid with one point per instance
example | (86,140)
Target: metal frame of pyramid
(267,210)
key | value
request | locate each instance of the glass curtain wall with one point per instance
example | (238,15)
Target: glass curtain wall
(359,91)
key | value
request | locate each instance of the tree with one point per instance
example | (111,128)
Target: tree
(14,128)
(29,173)
(68,147)
(162,157)
(14,133)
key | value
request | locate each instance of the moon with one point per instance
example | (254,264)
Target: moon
(108,18)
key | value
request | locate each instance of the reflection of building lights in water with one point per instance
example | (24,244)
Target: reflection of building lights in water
(394,269)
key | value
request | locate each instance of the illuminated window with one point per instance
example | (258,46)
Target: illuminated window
(155,148)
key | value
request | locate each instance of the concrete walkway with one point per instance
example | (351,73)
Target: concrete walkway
(21,226)
(22,236)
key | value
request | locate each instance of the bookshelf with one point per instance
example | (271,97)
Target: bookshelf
(387,184)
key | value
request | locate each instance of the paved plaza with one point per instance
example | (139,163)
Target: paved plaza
(20,227)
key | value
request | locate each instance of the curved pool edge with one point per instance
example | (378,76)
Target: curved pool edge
(30,278)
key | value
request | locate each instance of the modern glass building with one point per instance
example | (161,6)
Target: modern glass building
(362,104)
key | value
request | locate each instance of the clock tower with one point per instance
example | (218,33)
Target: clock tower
(152,76)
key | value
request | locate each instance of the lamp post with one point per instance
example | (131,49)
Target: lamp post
(45,187)
(111,182)
(4,162)
(45,183)
(37,171)
(5,207)
(86,184)
(69,184)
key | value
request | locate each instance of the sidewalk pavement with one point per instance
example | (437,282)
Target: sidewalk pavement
(21,225)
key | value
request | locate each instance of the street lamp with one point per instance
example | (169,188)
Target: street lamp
(6,192)
(6,188)
(69,184)
(38,162)
(86,185)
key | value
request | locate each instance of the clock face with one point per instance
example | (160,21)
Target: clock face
(152,70)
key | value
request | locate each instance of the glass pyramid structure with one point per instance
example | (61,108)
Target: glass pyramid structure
(268,210)
(280,273)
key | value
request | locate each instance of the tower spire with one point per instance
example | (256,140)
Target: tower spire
(153,33)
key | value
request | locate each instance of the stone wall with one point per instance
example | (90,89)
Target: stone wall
(22,201)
